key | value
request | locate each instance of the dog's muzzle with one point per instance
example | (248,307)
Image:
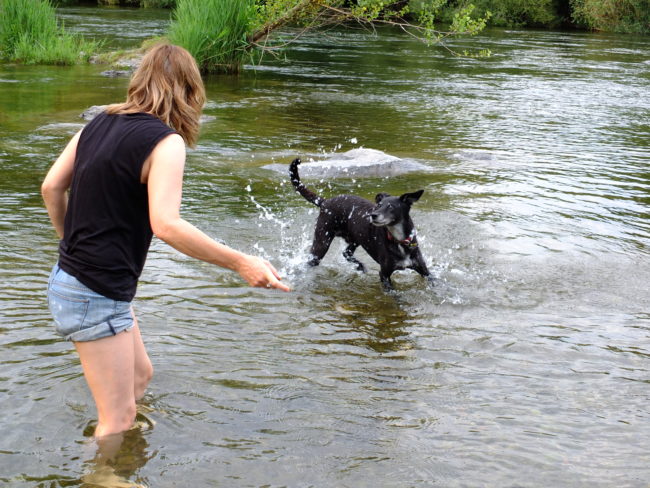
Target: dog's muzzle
(377,221)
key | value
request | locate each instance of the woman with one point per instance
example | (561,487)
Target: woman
(124,173)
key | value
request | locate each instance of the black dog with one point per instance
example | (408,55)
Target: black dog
(384,230)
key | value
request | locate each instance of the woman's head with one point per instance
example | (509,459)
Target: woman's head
(168,85)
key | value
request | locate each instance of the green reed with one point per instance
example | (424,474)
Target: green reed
(29,33)
(214,31)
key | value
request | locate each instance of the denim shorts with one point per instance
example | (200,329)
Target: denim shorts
(80,314)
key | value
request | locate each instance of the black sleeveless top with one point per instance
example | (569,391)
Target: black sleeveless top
(106,230)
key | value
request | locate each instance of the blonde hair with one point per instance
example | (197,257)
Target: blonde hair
(167,85)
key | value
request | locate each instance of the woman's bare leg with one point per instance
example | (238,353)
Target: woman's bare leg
(142,364)
(108,366)
(117,370)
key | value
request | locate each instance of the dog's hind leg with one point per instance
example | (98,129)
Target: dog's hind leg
(319,248)
(349,255)
(318,251)
(324,234)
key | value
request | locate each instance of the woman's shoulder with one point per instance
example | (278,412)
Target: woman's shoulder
(149,120)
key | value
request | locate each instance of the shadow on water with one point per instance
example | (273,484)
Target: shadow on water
(356,312)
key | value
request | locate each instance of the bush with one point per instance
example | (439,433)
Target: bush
(158,3)
(29,33)
(514,13)
(613,15)
(214,31)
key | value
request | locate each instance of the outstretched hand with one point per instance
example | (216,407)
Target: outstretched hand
(260,273)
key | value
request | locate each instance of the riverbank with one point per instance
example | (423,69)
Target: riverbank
(631,16)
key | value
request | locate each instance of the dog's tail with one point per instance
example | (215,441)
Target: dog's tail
(307,194)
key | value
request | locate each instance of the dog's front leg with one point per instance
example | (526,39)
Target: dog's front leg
(384,276)
(421,267)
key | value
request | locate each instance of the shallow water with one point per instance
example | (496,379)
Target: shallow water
(528,364)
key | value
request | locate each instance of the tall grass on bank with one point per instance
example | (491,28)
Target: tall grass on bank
(631,16)
(214,31)
(29,33)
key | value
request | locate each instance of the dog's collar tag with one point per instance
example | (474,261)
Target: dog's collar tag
(408,242)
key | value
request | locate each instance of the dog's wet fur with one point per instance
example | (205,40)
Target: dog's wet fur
(384,229)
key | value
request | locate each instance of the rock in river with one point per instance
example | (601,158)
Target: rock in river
(358,162)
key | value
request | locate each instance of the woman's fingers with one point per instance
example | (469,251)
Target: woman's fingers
(275,271)
(278,285)
(273,281)
(261,273)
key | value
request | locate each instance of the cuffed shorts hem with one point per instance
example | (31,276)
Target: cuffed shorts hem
(81,314)
(99,331)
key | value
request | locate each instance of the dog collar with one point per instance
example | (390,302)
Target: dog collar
(408,242)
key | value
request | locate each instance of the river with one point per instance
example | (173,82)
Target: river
(528,365)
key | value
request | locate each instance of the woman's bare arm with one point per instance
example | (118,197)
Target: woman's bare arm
(56,183)
(164,178)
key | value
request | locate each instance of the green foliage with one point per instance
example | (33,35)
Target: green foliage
(463,21)
(511,13)
(214,31)
(613,15)
(416,17)
(130,3)
(114,3)
(221,34)
(29,33)
(158,3)
(296,12)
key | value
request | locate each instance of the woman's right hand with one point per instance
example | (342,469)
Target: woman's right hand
(259,272)
(164,178)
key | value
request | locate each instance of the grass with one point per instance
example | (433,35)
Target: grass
(215,32)
(29,33)
(631,16)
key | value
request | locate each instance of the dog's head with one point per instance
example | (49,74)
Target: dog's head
(391,210)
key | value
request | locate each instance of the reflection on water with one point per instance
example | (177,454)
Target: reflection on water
(117,460)
(527,365)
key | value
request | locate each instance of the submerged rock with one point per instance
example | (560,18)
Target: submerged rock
(117,73)
(358,162)
(91,112)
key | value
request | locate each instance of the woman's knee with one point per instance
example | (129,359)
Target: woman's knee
(142,378)
(149,373)
(144,370)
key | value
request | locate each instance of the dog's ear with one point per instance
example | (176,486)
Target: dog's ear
(411,198)
(380,197)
